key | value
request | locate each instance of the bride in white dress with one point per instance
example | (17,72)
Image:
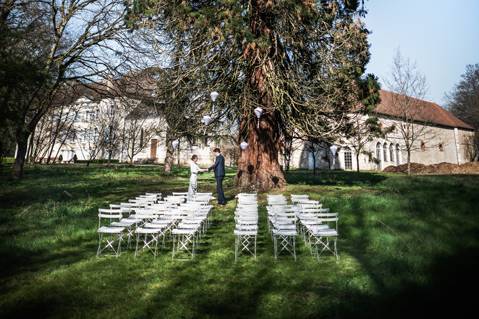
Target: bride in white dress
(194,170)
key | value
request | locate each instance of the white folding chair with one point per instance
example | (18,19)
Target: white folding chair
(284,233)
(111,234)
(149,235)
(322,238)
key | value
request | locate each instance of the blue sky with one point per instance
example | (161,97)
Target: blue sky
(441,36)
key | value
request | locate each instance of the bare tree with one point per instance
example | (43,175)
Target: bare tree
(75,35)
(53,130)
(363,130)
(409,89)
(138,133)
(139,126)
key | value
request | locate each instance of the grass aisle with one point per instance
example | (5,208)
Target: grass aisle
(404,242)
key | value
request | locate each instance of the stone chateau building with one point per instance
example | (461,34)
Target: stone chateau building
(445,138)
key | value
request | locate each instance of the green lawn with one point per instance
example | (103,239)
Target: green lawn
(405,242)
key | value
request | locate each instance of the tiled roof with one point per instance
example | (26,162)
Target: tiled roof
(425,111)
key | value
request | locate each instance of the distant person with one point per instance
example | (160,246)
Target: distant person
(219,168)
(60,159)
(194,171)
(75,158)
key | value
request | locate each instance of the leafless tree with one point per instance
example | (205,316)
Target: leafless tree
(138,133)
(76,46)
(53,130)
(409,89)
(364,128)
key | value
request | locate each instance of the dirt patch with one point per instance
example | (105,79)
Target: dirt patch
(441,168)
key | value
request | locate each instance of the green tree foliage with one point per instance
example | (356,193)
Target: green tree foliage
(300,61)
(463,101)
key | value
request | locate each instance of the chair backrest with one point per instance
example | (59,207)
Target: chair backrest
(108,213)
(175,199)
(299,198)
(157,195)
(329,218)
(303,206)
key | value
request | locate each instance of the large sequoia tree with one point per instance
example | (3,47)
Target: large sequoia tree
(300,61)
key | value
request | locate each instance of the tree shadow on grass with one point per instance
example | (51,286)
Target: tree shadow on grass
(415,280)
(447,292)
(336,177)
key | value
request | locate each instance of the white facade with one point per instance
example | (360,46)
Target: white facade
(436,144)
(86,129)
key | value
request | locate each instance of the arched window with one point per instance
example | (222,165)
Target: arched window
(385,152)
(348,158)
(378,154)
(398,162)
(391,152)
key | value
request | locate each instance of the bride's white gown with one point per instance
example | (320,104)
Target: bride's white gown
(194,170)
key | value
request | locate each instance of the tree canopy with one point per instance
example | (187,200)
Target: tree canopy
(301,62)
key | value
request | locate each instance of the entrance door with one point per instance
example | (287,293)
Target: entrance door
(153,147)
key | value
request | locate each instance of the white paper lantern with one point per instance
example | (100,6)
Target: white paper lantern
(243,145)
(206,120)
(258,112)
(175,144)
(214,95)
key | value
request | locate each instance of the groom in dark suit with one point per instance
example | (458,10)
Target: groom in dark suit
(219,169)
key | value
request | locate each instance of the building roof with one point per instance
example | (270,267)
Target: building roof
(425,111)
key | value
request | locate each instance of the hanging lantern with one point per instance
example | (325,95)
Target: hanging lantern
(214,95)
(175,144)
(243,145)
(206,120)
(258,112)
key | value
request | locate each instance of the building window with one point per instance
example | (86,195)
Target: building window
(348,158)
(423,146)
(391,153)
(385,152)
(441,147)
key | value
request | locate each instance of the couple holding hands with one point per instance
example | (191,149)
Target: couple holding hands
(218,167)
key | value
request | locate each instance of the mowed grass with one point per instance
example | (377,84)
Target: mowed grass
(408,246)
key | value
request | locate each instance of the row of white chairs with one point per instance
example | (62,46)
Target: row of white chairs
(246,224)
(318,226)
(306,217)
(282,225)
(152,218)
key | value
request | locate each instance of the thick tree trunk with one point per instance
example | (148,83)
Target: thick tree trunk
(169,158)
(22,146)
(258,166)
(170,152)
